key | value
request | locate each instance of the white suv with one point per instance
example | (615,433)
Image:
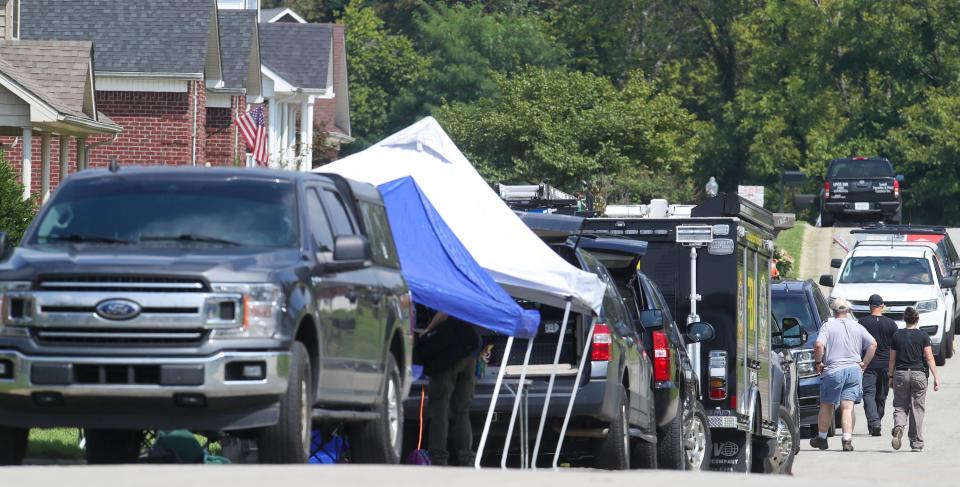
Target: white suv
(904,274)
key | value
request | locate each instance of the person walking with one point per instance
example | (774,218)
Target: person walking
(911,362)
(875,379)
(840,360)
(452,346)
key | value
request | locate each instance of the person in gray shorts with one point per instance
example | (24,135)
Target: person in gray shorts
(841,343)
(911,361)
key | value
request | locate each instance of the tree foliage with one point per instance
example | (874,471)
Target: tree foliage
(578,129)
(15,212)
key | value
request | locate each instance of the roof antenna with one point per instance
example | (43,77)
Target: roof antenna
(114,165)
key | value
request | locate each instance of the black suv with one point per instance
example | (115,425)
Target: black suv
(235,300)
(683,430)
(862,188)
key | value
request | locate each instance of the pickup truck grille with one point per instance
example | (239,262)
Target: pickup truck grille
(112,336)
(121,284)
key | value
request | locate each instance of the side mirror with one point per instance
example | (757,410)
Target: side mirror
(652,319)
(899,178)
(700,332)
(826,280)
(836,263)
(948,282)
(351,252)
(793,333)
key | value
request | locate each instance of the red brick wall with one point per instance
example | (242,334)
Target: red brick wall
(324,110)
(14,156)
(224,145)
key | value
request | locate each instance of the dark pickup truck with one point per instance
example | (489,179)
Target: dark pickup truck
(860,188)
(243,301)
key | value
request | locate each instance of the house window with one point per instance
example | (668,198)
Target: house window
(15,19)
(236,4)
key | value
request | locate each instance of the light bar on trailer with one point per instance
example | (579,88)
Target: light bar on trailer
(694,234)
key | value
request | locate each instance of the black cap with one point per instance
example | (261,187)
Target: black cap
(875,300)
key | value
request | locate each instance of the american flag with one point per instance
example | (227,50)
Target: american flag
(254,132)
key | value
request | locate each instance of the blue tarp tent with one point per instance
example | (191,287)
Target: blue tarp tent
(441,272)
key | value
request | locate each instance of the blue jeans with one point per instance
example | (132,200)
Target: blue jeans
(845,384)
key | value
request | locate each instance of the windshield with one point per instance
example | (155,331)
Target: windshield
(795,306)
(860,169)
(171,210)
(906,270)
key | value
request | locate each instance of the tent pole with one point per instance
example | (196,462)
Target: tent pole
(493,402)
(553,376)
(516,403)
(573,394)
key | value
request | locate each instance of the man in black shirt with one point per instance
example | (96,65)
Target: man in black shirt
(911,359)
(875,380)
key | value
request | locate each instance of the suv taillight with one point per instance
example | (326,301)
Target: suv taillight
(826,189)
(718,375)
(600,347)
(896,188)
(661,357)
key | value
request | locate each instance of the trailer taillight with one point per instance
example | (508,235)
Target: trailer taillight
(661,357)
(826,189)
(718,375)
(600,347)
(896,188)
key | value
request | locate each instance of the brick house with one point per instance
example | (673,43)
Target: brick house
(175,74)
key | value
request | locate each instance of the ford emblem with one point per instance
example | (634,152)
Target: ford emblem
(118,309)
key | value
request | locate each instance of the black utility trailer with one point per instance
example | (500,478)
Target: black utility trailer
(712,264)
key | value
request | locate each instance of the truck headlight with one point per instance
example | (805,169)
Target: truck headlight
(926,306)
(16,307)
(261,309)
(805,363)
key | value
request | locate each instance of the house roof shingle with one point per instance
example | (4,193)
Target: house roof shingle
(141,36)
(54,71)
(299,53)
(236,40)
(268,13)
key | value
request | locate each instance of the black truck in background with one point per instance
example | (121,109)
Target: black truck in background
(862,188)
(713,265)
(256,303)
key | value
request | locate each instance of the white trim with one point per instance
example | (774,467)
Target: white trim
(216,100)
(153,85)
(285,12)
(44,166)
(64,142)
(279,84)
(40,111)
(26,168)
(131,74)
(214,84)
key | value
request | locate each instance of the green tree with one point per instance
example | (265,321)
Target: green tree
(15,212)
(381,66)
(578,129)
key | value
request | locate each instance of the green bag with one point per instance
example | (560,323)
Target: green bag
(181,446)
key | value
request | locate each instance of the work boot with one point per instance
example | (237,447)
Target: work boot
(875,431)
(847,445)
(897,437)
(819,443)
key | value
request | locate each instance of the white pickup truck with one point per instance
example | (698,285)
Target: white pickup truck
(904,274)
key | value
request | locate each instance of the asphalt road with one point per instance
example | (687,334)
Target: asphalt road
(873,463)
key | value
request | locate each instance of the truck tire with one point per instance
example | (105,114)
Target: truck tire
(948,347)
(111,447)
(780,451)
(288,441)
(684,444)
(940,359)
(13,445)
(612,452)
(381,440)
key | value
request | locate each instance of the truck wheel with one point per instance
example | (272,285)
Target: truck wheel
(781,449)
(670,443)
(13,445)
(380,441)
(613,451)
(288,441)
(696,439)
(826,219)
(107,447)
(948,345)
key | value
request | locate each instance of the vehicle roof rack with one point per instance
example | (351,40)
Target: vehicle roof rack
(902,229)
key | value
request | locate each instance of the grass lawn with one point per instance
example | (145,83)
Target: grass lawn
(791,241)
(55,444)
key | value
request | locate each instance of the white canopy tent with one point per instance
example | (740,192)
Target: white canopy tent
(498,240)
